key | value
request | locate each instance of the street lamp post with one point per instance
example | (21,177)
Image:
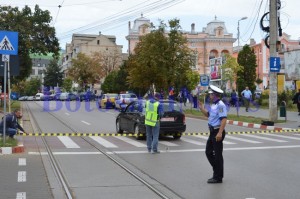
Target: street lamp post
(238,29)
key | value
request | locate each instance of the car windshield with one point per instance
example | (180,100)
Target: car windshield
(167,106)
(111,95)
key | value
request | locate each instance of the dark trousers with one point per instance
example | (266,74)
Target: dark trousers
(298,106)
(214,154)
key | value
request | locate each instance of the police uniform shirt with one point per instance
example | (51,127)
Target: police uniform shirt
(216,113)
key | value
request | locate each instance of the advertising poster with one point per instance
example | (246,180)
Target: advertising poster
(292,65)
(215,69)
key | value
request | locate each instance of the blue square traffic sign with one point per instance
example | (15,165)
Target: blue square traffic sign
(274,64)
(8,43)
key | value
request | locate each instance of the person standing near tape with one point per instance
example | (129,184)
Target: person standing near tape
(217,118)
(152,122)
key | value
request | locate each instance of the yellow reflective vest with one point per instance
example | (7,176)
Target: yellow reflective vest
(151,113)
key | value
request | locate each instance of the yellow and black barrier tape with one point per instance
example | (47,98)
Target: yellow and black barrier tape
(164,134)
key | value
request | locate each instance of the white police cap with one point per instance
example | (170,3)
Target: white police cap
(215,89)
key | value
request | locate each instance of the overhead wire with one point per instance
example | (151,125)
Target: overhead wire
(124,15)
(59,6)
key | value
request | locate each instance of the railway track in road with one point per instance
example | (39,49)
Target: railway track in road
(111,156)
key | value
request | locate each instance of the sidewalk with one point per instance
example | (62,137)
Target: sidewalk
(293,120)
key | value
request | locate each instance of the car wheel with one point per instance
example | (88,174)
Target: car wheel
(138,133)
(118,128)
(177,136)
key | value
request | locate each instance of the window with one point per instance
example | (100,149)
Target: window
(98,42)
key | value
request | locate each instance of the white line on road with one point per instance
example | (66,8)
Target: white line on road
(103,142)
(283,136)
(21,176)
(205,138)
(132,142)
(170,151)
(22,161)
(192,141)
(167,143)
(21,195)
(241,139)
(85,122)
(67,114)
(68,142)
(263,138)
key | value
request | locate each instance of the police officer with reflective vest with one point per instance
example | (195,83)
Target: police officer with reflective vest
(217,117)
(152,117)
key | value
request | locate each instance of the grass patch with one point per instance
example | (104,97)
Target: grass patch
(14,104)
(9,142)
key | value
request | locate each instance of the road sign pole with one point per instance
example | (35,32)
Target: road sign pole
(8,86)
(4,105)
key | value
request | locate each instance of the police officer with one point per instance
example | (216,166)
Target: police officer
(217,117)
(152,117)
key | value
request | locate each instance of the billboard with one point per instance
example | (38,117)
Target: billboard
(292,65)
(215,69)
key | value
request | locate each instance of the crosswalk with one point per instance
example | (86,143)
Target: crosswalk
(193,141)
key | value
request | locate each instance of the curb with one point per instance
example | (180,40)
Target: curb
(15,149)
(253,125)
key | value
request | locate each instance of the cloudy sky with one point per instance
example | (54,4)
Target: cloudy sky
(111,16)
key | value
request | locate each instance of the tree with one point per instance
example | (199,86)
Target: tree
(247,76)
(82,70)
(160,59)
(35,34)
(230,70)
(32,86)
(109,85)
(67,84)
(53,74)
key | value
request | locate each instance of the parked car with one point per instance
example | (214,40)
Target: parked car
(38,96)
(132,119)
(108,100)
(47,98)
(87,96)
(23,98)
(124,99)
(30,98)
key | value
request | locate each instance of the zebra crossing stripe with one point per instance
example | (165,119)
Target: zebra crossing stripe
(103,142)
(68,142)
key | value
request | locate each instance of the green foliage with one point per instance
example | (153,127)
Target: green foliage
(35,34)
(32,86)
(67,84)
(53,74)
(286,96)
(259,81)
(230,69)
(109,85)
(247,76)
(160,59)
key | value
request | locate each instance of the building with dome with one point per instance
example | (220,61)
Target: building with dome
(213,41)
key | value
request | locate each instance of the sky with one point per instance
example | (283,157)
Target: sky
(111,17)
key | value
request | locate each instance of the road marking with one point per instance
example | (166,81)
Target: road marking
(167,143)
(283,136)
(85,122)
(169,151)
(21,195)
(67,114)
(205,138)
(68,142)
(132,142)
(103,142)
(22,161)
(192,141)
(263,138)
(21,176)
(241,139)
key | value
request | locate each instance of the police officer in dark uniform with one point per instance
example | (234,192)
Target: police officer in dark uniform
(217,117)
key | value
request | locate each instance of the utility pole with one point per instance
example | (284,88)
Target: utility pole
(273,113)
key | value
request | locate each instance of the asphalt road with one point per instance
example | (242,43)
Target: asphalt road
(256,166)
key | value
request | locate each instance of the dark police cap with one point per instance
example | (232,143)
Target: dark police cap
(215,89)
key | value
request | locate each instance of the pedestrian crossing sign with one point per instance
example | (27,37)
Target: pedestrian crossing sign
(8,43)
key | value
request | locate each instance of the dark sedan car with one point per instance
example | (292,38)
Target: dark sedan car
(132,119)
